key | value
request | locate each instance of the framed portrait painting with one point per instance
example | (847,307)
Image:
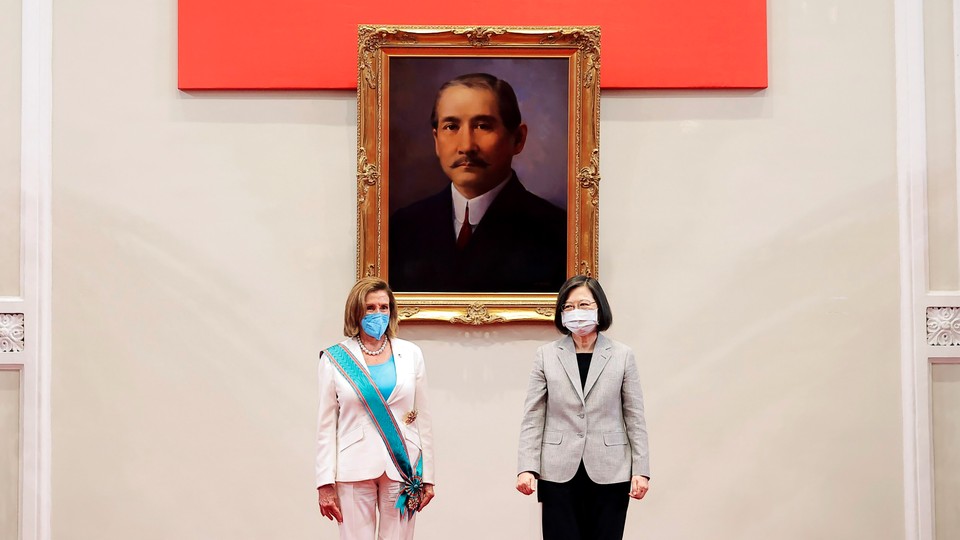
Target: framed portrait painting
(477,167)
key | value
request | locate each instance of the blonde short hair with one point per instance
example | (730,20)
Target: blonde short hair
(355,308)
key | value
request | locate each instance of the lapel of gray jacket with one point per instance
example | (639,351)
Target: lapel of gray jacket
(568,359)
(601,355)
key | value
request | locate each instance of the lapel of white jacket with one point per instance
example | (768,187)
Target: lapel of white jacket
(601,355)
(567,352)
(403,361)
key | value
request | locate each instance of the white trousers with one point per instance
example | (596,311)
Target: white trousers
(359,502)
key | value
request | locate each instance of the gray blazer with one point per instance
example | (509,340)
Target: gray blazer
(601,423)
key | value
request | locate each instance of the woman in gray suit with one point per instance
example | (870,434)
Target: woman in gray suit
(583,438)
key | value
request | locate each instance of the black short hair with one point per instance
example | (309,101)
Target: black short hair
(604,315)
(506,97)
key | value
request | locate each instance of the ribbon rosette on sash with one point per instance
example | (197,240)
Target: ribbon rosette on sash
(412,493)
(412,490)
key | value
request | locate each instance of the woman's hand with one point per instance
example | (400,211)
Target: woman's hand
(329,502)
(525,482)
(639,485)
(427,496)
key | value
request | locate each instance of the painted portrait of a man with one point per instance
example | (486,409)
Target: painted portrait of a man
(485,218)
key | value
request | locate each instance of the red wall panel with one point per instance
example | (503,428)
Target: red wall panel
(307,44)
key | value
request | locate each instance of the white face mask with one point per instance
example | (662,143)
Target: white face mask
(580,321)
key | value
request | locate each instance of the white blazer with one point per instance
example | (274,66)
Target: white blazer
(349,448)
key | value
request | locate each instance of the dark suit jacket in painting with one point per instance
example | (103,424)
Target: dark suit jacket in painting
(520,245)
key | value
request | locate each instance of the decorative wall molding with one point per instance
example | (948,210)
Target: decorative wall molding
(912,211)
(943,326)
(36,165)
(929,320)
(11,332)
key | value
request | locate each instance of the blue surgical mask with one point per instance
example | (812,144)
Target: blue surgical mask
(375,324)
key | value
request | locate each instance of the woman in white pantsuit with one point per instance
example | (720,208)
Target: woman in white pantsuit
(374,437)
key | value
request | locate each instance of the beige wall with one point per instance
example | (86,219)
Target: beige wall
(203,245)
(9,147)
(941,119)
(946,440)
(9,454)
(9,258)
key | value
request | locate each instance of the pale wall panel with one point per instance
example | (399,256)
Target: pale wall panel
(946,442)
(9,147)
(941,145)
(9,454)
(204,245)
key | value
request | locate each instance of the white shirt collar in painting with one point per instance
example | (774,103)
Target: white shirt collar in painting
(478,205)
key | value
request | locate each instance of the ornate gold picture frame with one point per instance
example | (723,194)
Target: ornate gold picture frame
(553,72)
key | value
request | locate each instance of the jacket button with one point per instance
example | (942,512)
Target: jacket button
(580,415)
(580,435)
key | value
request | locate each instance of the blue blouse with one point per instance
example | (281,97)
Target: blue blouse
(385,377)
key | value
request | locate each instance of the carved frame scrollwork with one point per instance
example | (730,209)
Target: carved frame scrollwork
(581,46)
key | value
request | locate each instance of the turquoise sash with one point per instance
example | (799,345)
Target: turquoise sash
(412,492)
